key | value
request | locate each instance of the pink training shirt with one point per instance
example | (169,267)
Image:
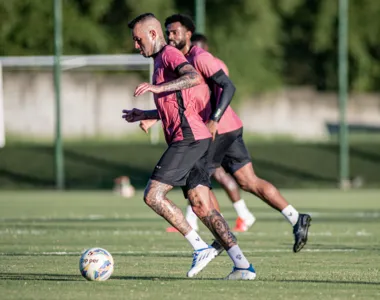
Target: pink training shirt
(222,65)
(177,109)
(207,65)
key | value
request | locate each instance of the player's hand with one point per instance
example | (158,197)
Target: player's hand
(146,124)
(133,115)
(213,128)
(146,87)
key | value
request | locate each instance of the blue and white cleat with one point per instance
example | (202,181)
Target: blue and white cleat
(242,274)
(201,258)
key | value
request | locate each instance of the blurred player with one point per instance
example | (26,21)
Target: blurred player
(177,88)
(245,218)
(229,149)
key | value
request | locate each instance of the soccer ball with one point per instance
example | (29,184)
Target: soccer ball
(96,264)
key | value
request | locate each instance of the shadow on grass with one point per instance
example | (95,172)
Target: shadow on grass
(96,167)
(80,220)
(338,248)
(356,151)
(32,180)
(67,277)
(128,254)
(40,277)
(327,281)
(293,172)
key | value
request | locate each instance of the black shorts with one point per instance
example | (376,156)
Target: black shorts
(184,164)
(228,151)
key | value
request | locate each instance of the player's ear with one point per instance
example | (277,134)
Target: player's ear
(153,34)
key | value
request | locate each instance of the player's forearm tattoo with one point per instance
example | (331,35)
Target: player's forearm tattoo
(151,114)
(219,227)
(189,77)
(155,198)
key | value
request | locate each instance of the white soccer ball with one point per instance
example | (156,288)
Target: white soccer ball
(96,264)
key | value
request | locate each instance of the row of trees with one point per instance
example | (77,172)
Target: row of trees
(265,43)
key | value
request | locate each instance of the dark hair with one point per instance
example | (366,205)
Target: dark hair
(199,37)
(183,19)
(140,18)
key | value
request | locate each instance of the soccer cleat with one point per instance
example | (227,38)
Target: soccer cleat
(243,225)
(171,229)
(300,231)
(242,274)
(201,258)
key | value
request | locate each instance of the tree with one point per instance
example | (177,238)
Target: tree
(265,43)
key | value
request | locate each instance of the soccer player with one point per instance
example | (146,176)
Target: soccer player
(177,89)
(245,218)
(229,149)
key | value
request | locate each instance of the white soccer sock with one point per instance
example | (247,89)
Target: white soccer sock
(195,240)
(238,257)
(242,209)
(191,217)
(290,214)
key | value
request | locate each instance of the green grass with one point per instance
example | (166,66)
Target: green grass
(43,233)
(95,165)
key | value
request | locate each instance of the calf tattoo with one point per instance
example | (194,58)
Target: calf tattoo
(155,198)
(219,227)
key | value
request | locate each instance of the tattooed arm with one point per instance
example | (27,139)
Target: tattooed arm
(188,77)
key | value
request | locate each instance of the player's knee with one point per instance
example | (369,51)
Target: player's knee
(218,175)
(257,186)
(198,207)
(230,184)
(226,180)
(199,210)
(250,185)
(149,196)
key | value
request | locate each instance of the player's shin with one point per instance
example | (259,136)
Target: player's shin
(155,198)
(203,207)
(214,201)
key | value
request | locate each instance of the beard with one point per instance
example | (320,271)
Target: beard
(179,45)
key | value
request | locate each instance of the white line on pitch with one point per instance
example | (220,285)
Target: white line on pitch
(358,214)
(25,231)
(142,253)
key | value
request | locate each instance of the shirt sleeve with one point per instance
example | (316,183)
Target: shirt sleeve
(223,66)
(173,59)
(206,64)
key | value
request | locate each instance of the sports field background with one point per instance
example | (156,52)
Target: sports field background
(95,164)
(43,233)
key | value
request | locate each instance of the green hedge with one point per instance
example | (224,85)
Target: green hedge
(94,166)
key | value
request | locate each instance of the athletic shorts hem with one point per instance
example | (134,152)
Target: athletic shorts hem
(237,166)
(163,180)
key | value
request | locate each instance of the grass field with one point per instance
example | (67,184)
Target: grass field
(43,233)
(94,165)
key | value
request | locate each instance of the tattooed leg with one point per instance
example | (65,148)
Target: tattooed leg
(155,198)
(199,198)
